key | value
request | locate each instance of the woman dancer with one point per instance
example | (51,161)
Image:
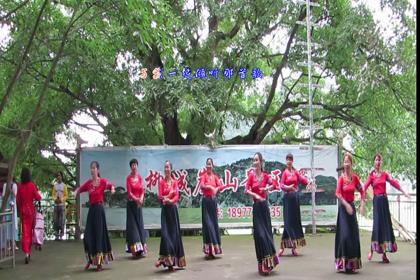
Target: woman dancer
(383,239)
(347,241)
(210,184)
(136,235)
(171,252)
(293,236)
(96,240)
(257,184)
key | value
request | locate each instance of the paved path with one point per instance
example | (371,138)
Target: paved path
(65,260)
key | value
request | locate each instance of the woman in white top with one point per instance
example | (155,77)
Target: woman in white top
(12,202)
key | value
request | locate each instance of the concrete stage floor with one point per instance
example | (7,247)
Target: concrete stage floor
(65,260)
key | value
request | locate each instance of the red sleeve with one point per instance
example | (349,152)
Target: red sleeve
(175,197)
(84,187)
(338,192)
(274,184)
(283,179)
(160,190)
(108,185)
(249,181)
(360,188)
(219,185)
(36,194)
(141,185)
(393,182)
(202,180)
(130,196)
(302,179)
(367,183)
(269,179)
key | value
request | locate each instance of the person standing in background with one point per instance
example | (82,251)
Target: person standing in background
(26,194)
(59,194)
(12,203)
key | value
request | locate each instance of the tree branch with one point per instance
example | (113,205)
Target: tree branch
(262,116)
(21,65)
(4,18)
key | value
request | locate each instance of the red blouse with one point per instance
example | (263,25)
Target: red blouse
(379,183)
(134,188)
(164,190)
(256,186)
(96,194)
(26,194)
(346,190)
(293,179)
(210,180)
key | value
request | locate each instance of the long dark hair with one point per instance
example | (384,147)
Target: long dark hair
(210,159)
(377,155)
(97,166)
(260,157)
(212,164)
(289,156)
(25,175)
(134,161)
(346,154)
(374,158)
(170,164)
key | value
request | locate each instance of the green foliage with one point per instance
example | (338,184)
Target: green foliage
(374,101)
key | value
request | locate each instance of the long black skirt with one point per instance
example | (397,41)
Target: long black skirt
(135,233)
(383,239)
(171,252)
(96,240)
(211,234)
(292,233)
(347,241)
(263,237)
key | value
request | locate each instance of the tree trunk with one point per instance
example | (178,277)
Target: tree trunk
(172,135)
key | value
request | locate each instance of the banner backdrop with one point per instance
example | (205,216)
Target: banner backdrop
(232,164)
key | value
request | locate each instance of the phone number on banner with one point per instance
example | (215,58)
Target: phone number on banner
(244,212)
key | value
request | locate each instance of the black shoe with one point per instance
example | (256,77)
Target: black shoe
(26,260)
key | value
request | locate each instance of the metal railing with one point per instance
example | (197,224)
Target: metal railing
(47,206)
(402,209)
(7,236)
